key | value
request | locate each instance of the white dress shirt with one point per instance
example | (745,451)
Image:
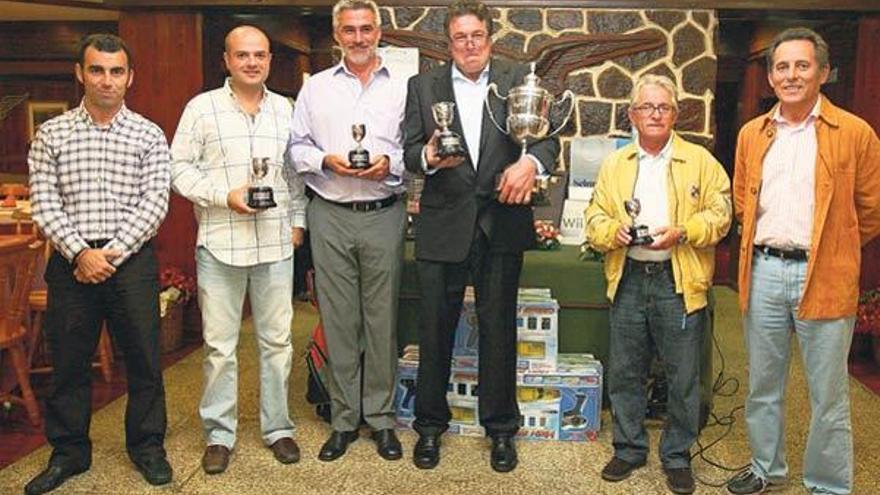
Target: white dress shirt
(650,190)
(788,185)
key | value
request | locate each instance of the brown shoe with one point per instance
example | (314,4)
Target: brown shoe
(286,450)
(216,459)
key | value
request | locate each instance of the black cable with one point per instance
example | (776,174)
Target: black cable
(719,389)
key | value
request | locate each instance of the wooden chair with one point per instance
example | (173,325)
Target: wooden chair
(37,303)
(17,262)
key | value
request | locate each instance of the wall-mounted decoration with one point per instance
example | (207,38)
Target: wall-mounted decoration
(41,111)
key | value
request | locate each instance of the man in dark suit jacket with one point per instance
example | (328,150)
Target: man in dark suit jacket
(474,223)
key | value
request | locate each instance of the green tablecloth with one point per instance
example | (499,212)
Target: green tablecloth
(578,286)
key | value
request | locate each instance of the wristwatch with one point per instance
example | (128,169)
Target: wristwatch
(683,238)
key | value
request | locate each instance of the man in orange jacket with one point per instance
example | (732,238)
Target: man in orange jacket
(807,191)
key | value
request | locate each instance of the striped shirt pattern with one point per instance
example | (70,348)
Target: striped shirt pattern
(212,154)
(91,182)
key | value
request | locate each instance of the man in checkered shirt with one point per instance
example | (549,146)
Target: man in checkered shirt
(239,248)
(99,177)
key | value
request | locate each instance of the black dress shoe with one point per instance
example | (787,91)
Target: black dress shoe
(503,453)
(426,454)
(387,444)
(154,468)
(336,445)
(51,478)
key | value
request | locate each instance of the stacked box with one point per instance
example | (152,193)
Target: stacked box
(563,404)
(559,396)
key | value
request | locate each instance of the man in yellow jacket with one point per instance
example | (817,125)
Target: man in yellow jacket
(807,191)
(657,286)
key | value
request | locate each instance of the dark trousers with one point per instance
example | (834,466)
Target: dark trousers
(129,302)
(496,279)
(647,310)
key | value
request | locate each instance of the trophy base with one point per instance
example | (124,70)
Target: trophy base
(359,159)
(261,198)
(450,145)
(640,236)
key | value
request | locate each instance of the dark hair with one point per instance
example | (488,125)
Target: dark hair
(800,33)
(103,42)
(461,8)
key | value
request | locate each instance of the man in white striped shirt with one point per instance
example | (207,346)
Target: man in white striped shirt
(241,249)
(99,190)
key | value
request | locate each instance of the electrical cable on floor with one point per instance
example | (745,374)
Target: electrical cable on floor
(720,389)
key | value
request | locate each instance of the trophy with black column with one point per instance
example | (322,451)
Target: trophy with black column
(260,195)
(641,234)
(449,143)
(359,158)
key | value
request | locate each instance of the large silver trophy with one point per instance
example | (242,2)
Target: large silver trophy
(260,195)
(528,110)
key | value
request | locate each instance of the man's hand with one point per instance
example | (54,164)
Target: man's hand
(517,182)
(434,160)
(665,237)
(380,166)
(237,202)
(93,265)
(622,236)
(339,166)
(297,236)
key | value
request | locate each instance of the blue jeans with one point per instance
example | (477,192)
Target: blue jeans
(221,295)
(646,314)
(776,289)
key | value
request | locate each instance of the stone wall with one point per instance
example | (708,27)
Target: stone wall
(689,58)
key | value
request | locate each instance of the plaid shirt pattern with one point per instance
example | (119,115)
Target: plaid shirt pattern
(212,153)
(91,182)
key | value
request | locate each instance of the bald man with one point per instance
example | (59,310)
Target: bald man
(241,249)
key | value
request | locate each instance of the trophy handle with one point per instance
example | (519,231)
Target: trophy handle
(493,88)
(569,96)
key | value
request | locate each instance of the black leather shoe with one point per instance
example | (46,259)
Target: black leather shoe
(336,445)
(51,478)
(618,470)
(387,444)
(426,454)
(154,468)
(680,480)
(503,453)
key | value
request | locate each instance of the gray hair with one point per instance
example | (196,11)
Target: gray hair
(342,5)
(655,80)
(800,33)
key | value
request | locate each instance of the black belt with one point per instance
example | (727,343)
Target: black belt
(786,254)
(97,243)
(364,206)
(649,267)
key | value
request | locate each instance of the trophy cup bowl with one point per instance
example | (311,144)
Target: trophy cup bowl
(359,158)
(528,110)
(641,234)
(259,195)
(449,143)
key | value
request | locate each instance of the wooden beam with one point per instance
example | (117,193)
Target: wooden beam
(46,40)
(854,5)
(37,68)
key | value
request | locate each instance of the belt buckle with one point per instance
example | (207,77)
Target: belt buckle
(651,268)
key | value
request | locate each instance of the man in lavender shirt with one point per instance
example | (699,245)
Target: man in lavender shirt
(357,223)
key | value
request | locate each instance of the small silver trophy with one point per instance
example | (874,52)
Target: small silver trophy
(449,142)
(359,158)
(528,110)
(640,234)
(259,195)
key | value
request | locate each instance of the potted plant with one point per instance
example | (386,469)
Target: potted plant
(176,289)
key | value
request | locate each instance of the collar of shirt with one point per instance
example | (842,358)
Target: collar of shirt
(83,115)
(811,117)
(233,99)
(483,80)
(380,69)
(663,156)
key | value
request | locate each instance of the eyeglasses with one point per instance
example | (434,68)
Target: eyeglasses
(478,39)
(647,109)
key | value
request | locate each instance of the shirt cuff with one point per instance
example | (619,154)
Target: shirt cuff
(220,199)
(425,167)
(539,167)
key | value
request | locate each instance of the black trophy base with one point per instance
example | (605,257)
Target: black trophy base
(260,198)
(640,236)
(449,145)
(359,159)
